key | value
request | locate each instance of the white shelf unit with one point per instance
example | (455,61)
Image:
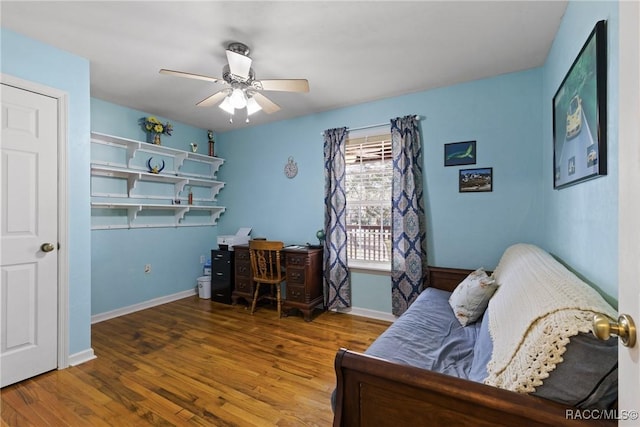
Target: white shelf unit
(135,176)
(133,147)
(179,211)
(122,163)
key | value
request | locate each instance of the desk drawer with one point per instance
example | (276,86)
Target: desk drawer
(295,276)
(296,293)
(242,255)
(297,259)
(244,286)
(243,269)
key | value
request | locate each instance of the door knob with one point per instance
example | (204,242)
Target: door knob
(47,247)
(604,327)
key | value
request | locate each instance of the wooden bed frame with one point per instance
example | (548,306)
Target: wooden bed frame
(376,392)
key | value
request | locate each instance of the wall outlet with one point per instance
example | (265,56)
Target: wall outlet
(202,259)
(147,268)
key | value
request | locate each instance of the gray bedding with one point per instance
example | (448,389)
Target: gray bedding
(429,336)
(423,340)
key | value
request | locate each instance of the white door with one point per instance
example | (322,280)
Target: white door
(28,221)
(629,206)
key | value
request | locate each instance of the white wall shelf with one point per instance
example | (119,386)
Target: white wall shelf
(134,147)
(178,214)
(125,194)
(134,176)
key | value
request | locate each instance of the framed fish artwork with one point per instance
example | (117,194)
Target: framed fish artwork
(460,153)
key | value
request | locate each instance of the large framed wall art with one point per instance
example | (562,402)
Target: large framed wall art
(580,115)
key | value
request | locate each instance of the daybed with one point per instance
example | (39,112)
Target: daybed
(529,358)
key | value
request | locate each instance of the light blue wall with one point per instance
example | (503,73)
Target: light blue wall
(34,61)
(509,116)
(581,222)
(118,256)
(371,291)
(464,230)
(117,120)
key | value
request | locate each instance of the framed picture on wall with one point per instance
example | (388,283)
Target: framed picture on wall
(580,115)
(460,153)
(475,180)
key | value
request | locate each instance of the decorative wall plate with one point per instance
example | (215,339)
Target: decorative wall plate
(291,168)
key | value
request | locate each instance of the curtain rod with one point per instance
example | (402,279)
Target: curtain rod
(417,117)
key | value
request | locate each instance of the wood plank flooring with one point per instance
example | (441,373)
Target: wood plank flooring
(196,362)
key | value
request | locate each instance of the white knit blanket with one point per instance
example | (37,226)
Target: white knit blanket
(538,306)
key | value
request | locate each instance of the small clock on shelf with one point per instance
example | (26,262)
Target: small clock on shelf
(291,168)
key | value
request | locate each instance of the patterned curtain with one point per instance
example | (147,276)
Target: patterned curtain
(338,287)
(408,230)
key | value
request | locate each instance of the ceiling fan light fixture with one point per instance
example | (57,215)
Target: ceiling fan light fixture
(238,99)
(242,90)
(227,106)
(252,106)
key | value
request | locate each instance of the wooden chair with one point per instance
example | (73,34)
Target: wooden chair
(266,267)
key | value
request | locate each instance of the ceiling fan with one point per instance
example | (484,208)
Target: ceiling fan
(242,89)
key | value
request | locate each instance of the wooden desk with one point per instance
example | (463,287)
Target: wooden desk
(304,281)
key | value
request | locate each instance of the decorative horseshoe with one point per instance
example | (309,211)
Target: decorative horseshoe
(156,168)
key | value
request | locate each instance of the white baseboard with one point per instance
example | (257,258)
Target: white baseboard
(96,318)
(83,356)
(365,312)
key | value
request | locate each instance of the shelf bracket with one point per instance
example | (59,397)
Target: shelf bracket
(132,181)
(180,157)
(216,214)
(214,168)
(179,215)
(215,189)
(180,187)
(132,213)
(131,152)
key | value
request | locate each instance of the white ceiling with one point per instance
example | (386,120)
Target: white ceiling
(350,51)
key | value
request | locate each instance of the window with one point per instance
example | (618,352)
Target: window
(369,172)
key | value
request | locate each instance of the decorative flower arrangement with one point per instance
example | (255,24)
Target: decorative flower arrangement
(152,125)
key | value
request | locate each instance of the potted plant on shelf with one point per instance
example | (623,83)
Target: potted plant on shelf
(155,128)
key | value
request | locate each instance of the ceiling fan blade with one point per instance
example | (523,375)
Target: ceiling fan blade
(285,85)
(265,103)
(239,65)
(190,75)
(213,99)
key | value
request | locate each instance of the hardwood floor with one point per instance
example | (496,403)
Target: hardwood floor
(196,362)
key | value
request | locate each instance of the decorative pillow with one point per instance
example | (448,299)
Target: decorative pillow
(470,298)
